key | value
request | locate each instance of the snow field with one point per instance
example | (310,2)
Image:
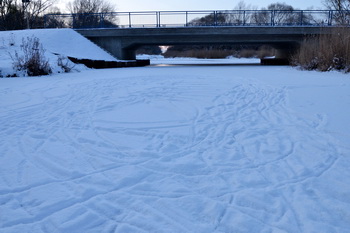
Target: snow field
(175,149)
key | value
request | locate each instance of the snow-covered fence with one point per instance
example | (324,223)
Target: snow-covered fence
(199,18)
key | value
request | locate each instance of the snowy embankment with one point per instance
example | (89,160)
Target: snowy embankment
(56,43)
(176,149)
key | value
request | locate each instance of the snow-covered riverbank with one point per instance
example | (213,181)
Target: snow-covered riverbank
(57,43)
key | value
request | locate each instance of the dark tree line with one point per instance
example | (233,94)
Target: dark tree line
(84,16)
(11,15)
(16,15)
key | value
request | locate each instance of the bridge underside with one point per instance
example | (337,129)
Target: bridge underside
(122,43)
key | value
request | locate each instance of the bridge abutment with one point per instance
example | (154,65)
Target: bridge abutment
(116,47)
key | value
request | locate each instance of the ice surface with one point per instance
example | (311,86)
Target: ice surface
(175,149)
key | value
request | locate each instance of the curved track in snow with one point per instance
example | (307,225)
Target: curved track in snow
(151,150)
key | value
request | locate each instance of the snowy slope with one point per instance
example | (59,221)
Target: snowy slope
(176,149)
(64,42)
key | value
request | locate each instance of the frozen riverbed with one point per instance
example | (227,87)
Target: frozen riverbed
(176,149)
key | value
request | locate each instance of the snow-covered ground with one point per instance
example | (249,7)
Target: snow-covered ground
(176,149)
(56,43)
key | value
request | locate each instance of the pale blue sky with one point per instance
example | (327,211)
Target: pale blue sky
(173,5)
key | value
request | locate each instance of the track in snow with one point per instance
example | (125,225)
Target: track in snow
(177,154)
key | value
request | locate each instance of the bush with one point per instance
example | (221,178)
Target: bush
(32,60)
(325,52)
(220,51)
(200,53)
(65,64)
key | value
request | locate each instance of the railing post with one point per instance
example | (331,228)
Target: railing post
(243,18)
(129,19)
(301,18)
(73,21)
(101,20)
(158,18)
(272,18)
(215,19)
(186,18)
(330,18)
(45,21)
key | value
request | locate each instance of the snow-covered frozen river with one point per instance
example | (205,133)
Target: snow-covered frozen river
(176,149)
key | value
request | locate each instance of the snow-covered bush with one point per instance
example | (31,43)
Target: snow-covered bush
(65,64)
(32,59)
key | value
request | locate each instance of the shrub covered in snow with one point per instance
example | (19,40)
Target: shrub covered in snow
(26,56)
(31,61)
(66,65)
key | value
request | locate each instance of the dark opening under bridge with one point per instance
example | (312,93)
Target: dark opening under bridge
(121,33)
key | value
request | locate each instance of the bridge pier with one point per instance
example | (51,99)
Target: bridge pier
(116,47)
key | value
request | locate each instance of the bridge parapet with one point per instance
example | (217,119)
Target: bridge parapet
(223,18)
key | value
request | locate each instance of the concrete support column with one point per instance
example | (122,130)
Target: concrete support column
(128,54)
(115,47)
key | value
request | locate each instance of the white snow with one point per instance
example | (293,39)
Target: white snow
(189,148)
(65,42)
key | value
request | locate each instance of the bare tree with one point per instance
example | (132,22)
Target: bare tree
(283,13)
(92,13)
(239,15)
(35,10)
(11,15)
(53,18)
(14,14)
(342,16)
(208,20)
(338,5)
(276,13)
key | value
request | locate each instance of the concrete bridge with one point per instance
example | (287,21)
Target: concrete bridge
(123,42)
(121,33)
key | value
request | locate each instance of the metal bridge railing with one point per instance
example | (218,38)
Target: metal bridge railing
(154,19)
